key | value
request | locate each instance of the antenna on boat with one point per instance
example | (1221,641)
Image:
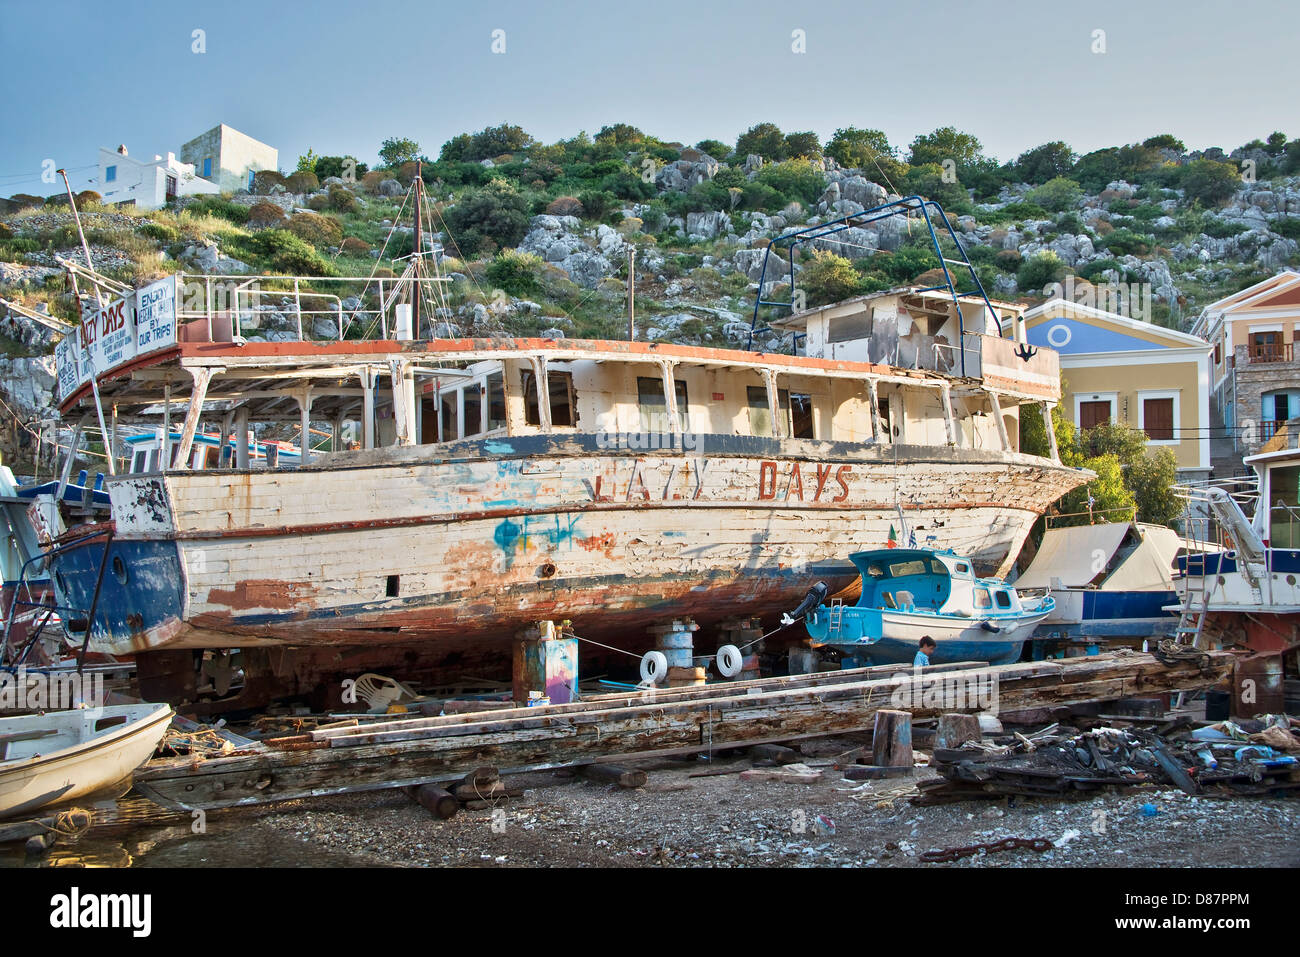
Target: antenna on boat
(99,300)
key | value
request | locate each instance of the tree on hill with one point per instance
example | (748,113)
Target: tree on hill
(763,139)
(946,143)
(868,150)
(802,145)
(828,278)
(394,151)
(488,219)
(621,135)
(1045,162)
(1165,141)
(715,148)
(1210,183)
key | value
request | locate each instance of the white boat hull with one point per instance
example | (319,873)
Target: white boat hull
(84,761)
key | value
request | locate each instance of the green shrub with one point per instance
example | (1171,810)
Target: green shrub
(1008,260)
(303,181)
(216,206)
(796,178)
(597,204)
(1057,194)
(316,229)
(265,214)
(264,180)
(496,214)
(342,199)
(352,246)
(515,272)
(1019,212)
(1209,182)
(290,254)
(565,206)
(319,202)
(1124,242)
(1288,226)
(828,278)
(1217,228)
(164,233)
(1040,270)
(908,263)
(13,250)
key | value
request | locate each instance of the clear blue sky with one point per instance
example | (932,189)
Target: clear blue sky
(339,77)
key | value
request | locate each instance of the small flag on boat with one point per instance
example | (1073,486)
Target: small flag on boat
(893,538)
(911,539)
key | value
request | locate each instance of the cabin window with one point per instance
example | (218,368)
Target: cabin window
(1284,511)
(801,416)
(885,419)
(110,174)
(496,401)
(982,599)
(449,418)
(473,409)
(875,571)
(760,416)
(1003,599)
(559,393)
(915,567)
(139,461)
(963,568)
(1158,419)
(848,328)
(654,408)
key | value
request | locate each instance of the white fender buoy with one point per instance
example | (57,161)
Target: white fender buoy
(654,667)
(730,661)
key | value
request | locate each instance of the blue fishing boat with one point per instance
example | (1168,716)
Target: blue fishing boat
(908,593)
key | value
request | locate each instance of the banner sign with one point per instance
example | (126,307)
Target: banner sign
(136,324)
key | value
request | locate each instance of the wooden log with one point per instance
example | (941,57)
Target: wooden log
(440,802)
(891,739)
(615,774)
(871,772)
(956,729)
(589,732)
(790,774)
(776,753)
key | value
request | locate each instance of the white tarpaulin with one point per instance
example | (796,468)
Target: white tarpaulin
(1150,566)
(1076,555)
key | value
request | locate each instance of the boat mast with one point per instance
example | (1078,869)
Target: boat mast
(417,249)
(99,300)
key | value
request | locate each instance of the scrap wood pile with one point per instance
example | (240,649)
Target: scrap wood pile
(1248,758)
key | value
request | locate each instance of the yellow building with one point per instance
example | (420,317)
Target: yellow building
(1127,371)
(1255,370)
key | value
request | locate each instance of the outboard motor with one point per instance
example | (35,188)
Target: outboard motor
(816,595)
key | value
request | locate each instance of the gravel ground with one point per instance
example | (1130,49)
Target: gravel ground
(718,820)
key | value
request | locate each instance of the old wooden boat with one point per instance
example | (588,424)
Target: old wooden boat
(909,593)
(473,486)
(58,756)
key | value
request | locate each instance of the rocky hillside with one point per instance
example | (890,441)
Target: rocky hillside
(537,236)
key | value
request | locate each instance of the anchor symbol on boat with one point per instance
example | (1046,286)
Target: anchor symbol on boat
(1026,352)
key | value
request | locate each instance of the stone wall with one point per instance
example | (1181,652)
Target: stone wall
(1252,380)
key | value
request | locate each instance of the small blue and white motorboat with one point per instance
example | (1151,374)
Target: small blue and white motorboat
(908,593)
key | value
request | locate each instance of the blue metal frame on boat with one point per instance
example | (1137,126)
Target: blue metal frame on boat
(811,233)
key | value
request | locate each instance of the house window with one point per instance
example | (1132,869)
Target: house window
(1158,419)
(171,187)
(1218,353)
(1095,412)
(559,395)
(207,167)
(1266,346)
(850,328)
(110,174)
(654,407)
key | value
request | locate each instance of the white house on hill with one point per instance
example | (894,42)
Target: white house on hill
(147,184)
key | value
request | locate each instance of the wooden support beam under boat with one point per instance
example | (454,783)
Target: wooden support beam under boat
(202,376)
(949,426)
(1051,430)
(997,419)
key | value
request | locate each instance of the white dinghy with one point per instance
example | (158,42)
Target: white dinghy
(62,755)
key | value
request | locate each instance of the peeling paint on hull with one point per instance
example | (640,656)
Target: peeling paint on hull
(460,546)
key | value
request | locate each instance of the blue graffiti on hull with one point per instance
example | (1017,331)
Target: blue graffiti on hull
(550,531)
